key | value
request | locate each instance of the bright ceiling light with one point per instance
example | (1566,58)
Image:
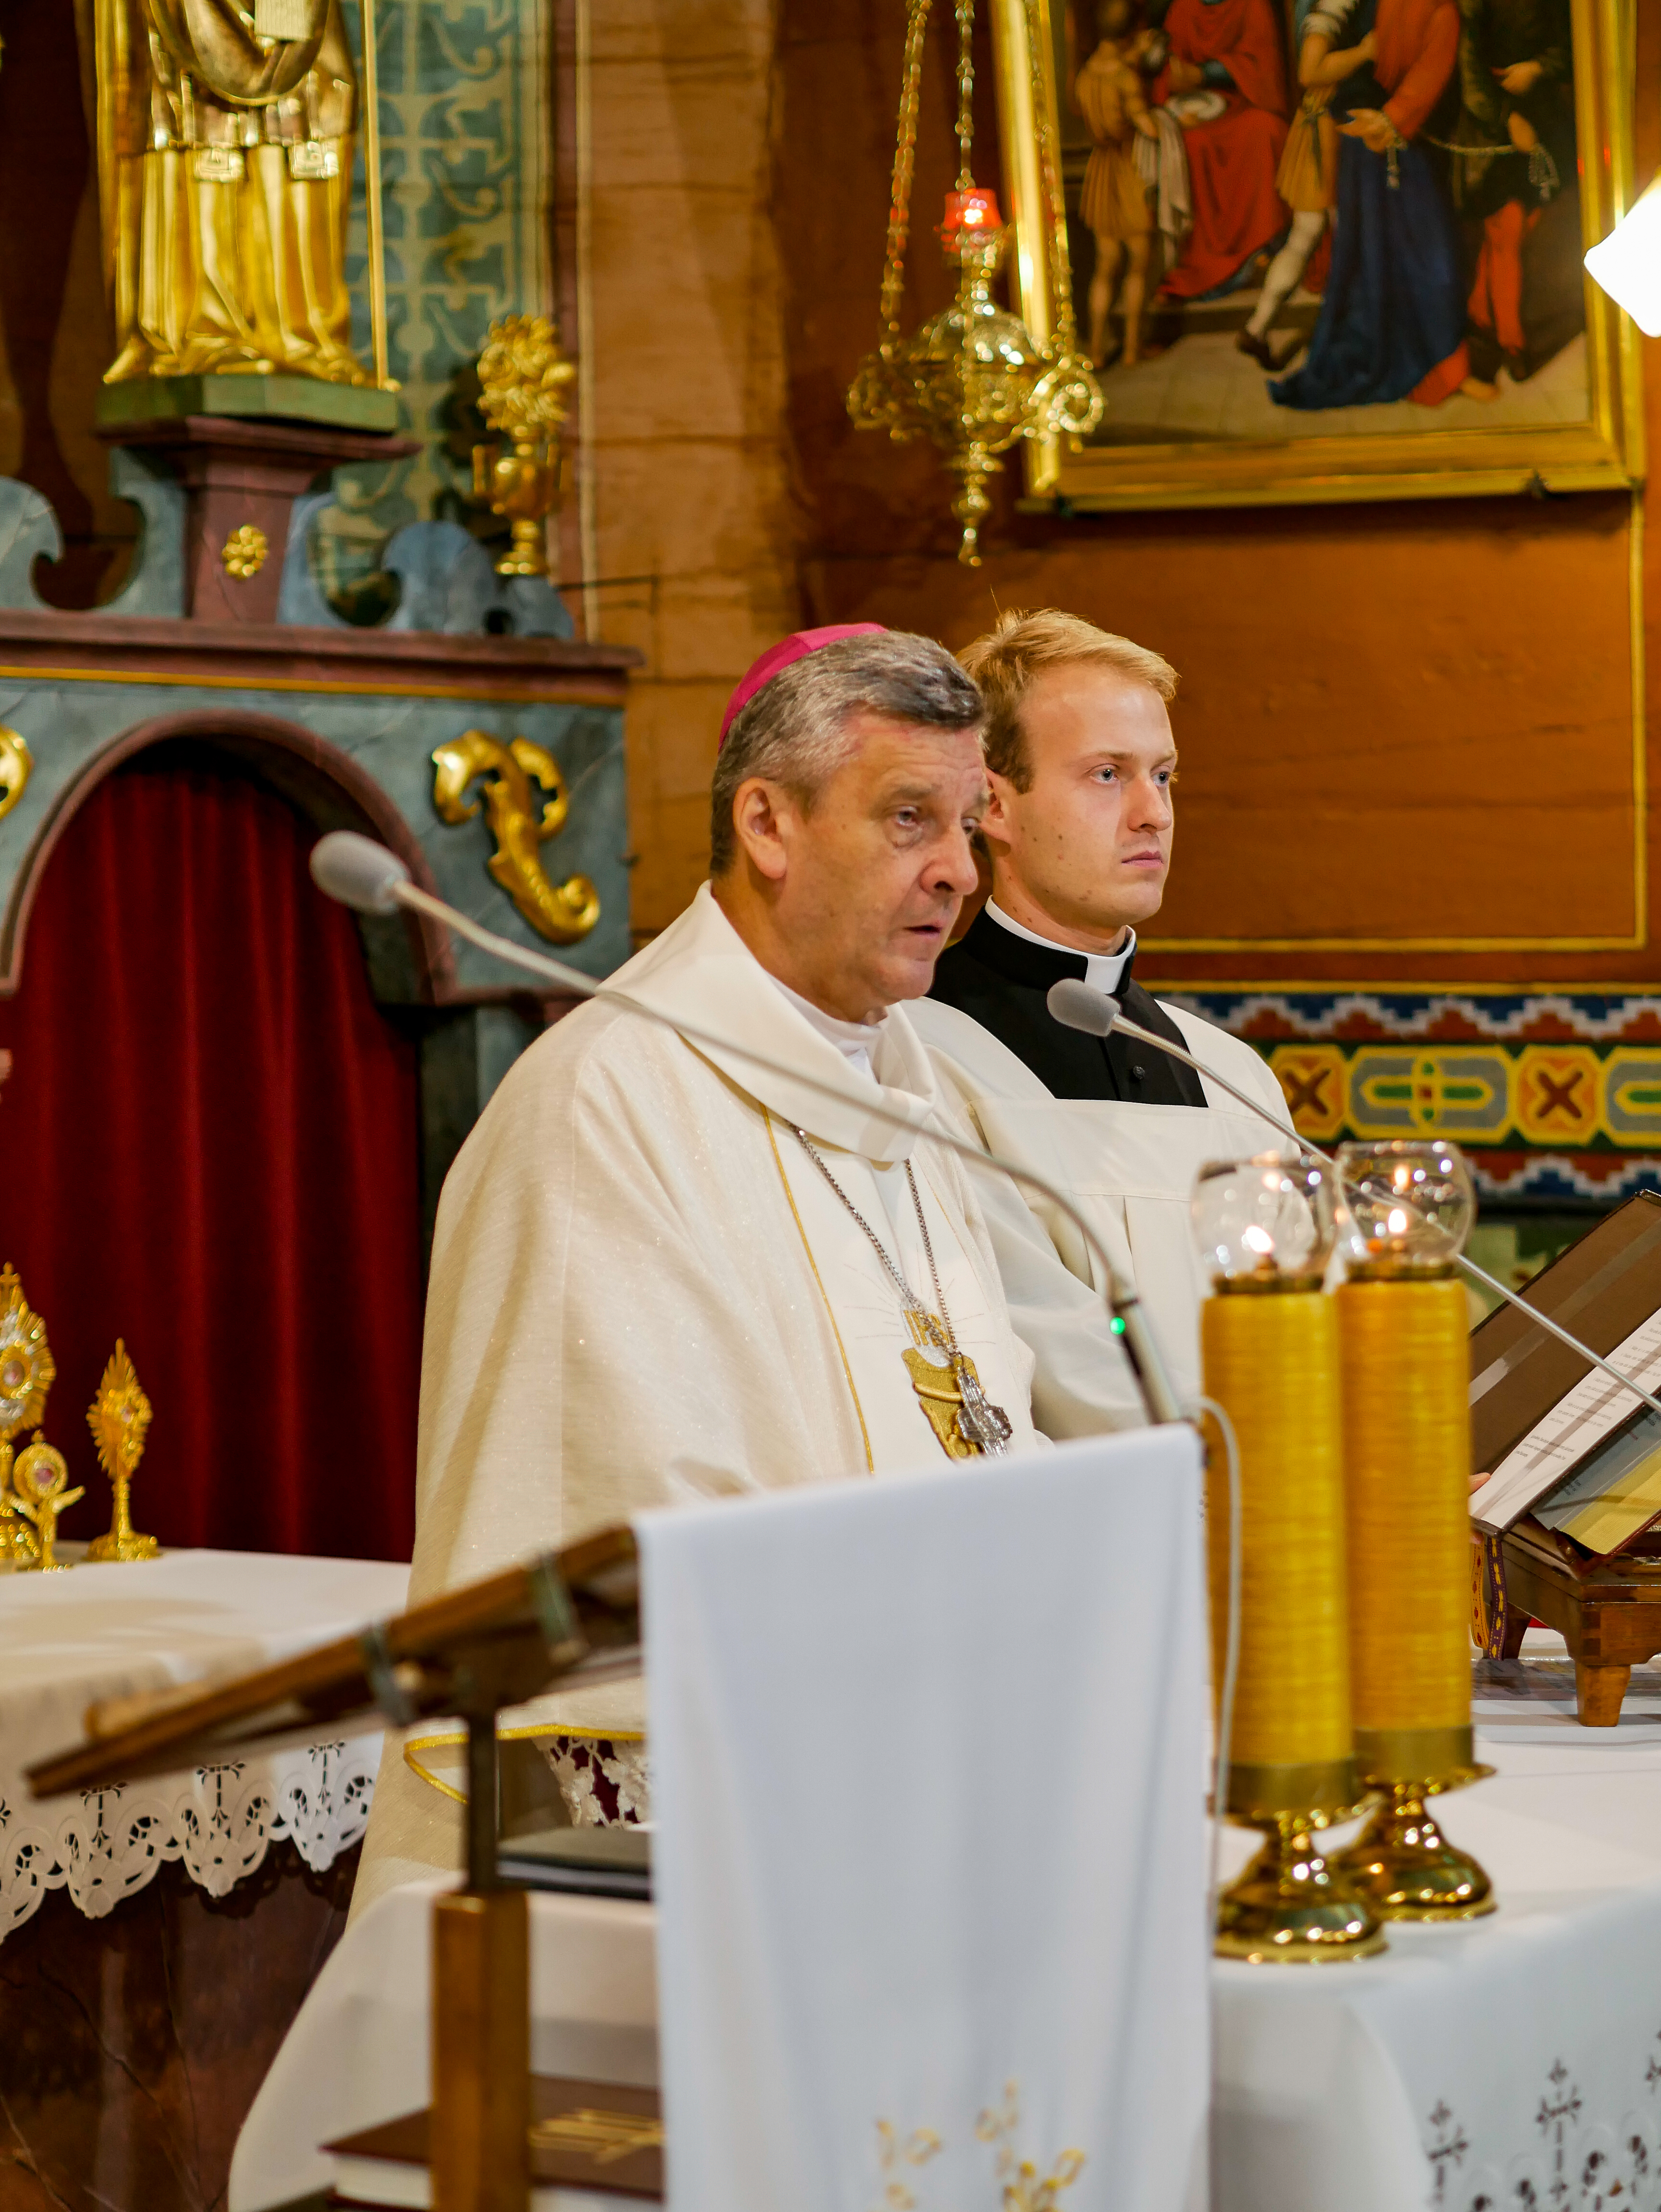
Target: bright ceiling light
(1628,263)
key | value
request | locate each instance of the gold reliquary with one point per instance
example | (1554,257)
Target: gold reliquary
(35,1482)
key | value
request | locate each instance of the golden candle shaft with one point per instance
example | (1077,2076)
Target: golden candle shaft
(1271,1361)
(1405,1354)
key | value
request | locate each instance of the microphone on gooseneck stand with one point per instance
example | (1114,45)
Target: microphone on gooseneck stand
(365,876)
(1077,1004)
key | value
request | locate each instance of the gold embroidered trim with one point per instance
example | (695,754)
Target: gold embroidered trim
(434,1738)
(865,1434)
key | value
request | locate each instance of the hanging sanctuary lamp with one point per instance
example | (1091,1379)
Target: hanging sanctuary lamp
(974,379)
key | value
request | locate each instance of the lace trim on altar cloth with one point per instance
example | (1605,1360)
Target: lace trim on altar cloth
(1575,2158)
(220,1822)
(605,1784)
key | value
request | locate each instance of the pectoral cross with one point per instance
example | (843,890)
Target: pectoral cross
(964,1419)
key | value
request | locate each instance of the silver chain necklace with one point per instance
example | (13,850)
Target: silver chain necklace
(981,1426)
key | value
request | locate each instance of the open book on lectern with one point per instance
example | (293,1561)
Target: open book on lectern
(1565,1441)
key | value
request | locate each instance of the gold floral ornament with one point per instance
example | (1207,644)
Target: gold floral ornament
(244,551)
(523,377)
(1023,2191)
(894,2153)
(560,912)
(39,1476)
(27,1373)
(120,1417)
(975,378)
(16,765)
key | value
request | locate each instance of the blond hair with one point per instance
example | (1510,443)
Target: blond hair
(1005,660)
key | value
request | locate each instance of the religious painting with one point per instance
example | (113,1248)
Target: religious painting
(1325,249)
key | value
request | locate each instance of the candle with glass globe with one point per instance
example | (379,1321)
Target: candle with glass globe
(1264,1227)
(1404,1345)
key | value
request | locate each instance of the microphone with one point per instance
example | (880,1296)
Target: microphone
(365,876)
(1077,1004)
(357,872)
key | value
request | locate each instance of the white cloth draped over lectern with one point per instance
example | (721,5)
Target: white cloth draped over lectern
(928,1775)
(928,1771)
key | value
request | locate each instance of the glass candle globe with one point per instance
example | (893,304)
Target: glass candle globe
(1266,1223)
(1410,1204)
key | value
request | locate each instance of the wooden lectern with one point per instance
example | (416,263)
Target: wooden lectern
(571,1616)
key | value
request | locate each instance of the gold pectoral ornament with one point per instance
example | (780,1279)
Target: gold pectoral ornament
(964,1420)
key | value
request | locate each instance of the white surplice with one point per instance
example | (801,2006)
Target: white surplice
(1128,1167)
(643,1292)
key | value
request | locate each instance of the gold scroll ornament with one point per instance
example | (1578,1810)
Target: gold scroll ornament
(562,912)
(16,765)
(523,377)
(225,139)
(28,1371)
(119,1418)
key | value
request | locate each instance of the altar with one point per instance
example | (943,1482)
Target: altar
(1513,2061)
(155,1941)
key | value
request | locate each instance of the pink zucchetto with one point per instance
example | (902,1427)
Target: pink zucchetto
(777,658)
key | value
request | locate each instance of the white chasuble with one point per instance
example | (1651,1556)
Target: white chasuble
(1129,1168)
(644,1292)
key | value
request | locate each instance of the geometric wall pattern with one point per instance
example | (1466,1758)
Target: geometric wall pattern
(1553,1098)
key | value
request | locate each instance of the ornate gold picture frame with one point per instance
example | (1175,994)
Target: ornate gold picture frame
(1183,426)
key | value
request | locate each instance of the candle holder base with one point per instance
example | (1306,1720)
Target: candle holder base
(1294,1907)
(1406,1869)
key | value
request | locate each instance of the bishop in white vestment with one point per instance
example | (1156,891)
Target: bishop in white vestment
(1080,761)
(662,1272)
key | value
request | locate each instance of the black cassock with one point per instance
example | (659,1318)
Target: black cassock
(999,980)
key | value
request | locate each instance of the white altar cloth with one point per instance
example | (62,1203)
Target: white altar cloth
(69,1640)
(1507,2065)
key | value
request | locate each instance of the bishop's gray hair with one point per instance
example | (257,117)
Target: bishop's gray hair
(793,732)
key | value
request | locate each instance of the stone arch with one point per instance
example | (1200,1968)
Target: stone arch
(409,957)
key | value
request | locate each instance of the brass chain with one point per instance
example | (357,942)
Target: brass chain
(905,163)
(965,12)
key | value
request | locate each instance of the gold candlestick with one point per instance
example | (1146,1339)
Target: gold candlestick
(1269,1345)
(119,1418)
(39,1476)
(1404,1337)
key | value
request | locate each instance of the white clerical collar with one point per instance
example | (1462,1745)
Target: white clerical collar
(856,1040)
(1103,971)
(699,972)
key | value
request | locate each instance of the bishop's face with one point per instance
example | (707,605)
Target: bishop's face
(1086,848)
(851,901)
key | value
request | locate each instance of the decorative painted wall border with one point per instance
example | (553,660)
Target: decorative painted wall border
(1556,1096)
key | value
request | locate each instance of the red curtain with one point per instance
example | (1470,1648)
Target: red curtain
(210,1139)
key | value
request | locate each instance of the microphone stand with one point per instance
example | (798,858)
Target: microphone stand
(1132,1029)
(1130,1323)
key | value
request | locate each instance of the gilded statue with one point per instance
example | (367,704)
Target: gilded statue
(225,161)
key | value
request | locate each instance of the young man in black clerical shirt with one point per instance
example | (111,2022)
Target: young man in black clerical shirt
(1082,764)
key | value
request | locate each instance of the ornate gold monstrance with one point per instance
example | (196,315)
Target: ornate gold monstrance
(28,1371)
(119,1418)
(225,161)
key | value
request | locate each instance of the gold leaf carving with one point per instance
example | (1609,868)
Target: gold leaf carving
(562,912)
(16,765)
